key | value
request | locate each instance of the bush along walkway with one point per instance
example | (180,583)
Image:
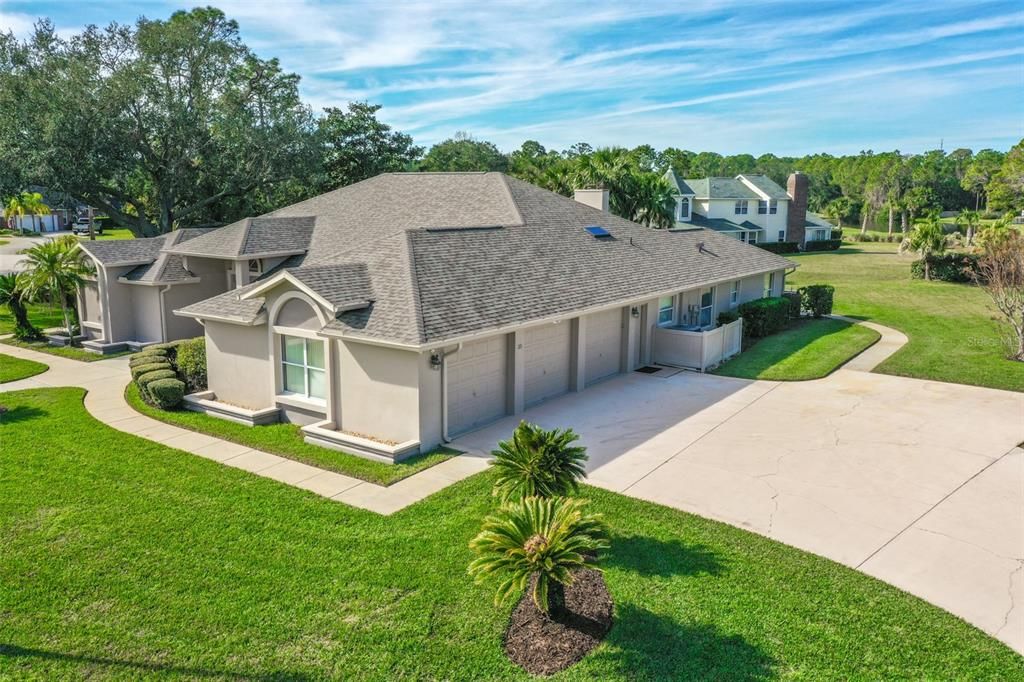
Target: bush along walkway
(105,383)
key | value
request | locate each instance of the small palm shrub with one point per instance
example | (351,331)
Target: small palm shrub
(538,463)
(166,393)
(542,538)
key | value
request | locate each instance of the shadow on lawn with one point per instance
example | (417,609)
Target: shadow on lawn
(132,668)
(650,556)
(646,645)
(21,413)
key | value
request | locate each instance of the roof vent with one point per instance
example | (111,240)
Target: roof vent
(598,232)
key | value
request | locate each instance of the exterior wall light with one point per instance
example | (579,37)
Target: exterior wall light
(635,311)
(435,360)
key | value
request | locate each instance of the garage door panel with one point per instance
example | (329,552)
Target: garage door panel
(477,379)
(547,352)
(603,351)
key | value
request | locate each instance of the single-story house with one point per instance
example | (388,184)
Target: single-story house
(390,315)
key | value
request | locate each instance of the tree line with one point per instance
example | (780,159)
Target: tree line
(176,122)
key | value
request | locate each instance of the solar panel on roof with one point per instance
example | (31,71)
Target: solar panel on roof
(597,231)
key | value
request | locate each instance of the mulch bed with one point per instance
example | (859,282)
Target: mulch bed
(541,646)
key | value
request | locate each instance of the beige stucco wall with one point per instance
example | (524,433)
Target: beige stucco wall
(179,296)
(379,391)
(429,403)
(146,312)
(89,302)
(238,364)
(117,301)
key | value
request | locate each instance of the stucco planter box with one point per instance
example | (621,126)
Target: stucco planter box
(207,403)
(325,435)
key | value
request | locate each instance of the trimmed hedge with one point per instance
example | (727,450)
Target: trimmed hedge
(166,393)
(139,370)
(823,245)
(191,361)
(727,316)
(149,377)
(764,316)
(949,267)
(147,358)
(817,299)
(795,301)
(780,247)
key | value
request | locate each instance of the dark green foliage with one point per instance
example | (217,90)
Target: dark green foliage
(816,299)
(148,356)
(794,299)
(823,245)
(727,316)
(139,370)
(146,379)
(191,362)
(538,463)
(544,537)
(780,247)
(166,393)
(764,316)
(948,267)
(14,298)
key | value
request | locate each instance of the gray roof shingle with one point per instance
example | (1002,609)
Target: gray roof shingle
(125,251)
(766,185)
(402,242)
(167,268)
(251,237)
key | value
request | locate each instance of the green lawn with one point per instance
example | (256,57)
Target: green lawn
(112,233)
(61,351)
(286,440)
(41,315)
(953,329)
(810,349)
(13,369)
(123,558)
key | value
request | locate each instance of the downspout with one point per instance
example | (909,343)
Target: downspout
(163,314)
(444,392)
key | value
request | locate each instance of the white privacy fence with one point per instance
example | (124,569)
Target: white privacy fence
(697,349)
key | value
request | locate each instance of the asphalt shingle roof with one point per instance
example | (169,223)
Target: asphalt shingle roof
(767,185)
(722,224)
(681,185)
(447,255)
(125,251)
(721,188)
(252,237)
(167,268)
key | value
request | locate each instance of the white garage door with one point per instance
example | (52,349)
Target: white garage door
(547,355)
(477,384)
(603,345)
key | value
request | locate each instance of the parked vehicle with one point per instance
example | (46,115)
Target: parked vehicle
(81,226)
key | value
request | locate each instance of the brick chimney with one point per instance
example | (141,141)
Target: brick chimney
(595,198)
(796,218)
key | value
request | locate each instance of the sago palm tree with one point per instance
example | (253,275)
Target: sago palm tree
(54,267)
(12,296)
(926,240)
(549,538)
(536,462)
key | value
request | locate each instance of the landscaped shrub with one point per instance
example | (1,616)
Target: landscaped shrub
(764,316)
(727,316)
(817,299)
(146,379)
(824,245)
(837,233)
(147,358)
(794,303)
(780,247)
(191,361)
(166,393)
(948,267)
(139,370)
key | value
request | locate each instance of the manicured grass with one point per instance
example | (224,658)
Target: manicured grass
(62,351)
(810,349)
(13,369)
(953,328)
(125,558)
(111,233)
(42,316)
(286,440)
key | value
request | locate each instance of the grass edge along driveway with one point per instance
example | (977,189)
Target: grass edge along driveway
(126,558)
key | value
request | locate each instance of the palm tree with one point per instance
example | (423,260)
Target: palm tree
(13,297)
(538,463)
(654,201)
(838,209)
(34,206)
(13,209)
(927,239)
(544,539)
(969,220)
(55,267)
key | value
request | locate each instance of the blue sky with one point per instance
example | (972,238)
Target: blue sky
(783,77)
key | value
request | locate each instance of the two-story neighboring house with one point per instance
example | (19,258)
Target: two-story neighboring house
(751,208)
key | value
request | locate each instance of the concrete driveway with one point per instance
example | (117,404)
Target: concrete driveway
(917,483)
(10,254)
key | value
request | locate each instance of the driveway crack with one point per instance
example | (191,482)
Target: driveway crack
(1009,592)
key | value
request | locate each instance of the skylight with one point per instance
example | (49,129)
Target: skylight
(597,231)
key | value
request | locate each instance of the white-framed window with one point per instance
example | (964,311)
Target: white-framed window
(762,207)
(684,208)
(303,367)
(748,237)
(734,294)
(821,235)
(741,207)
(782,235)
(666,311)
(707,307)
(256,266)
(769,285)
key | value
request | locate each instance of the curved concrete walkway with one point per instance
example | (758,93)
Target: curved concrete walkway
(105,381)
(917,483)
